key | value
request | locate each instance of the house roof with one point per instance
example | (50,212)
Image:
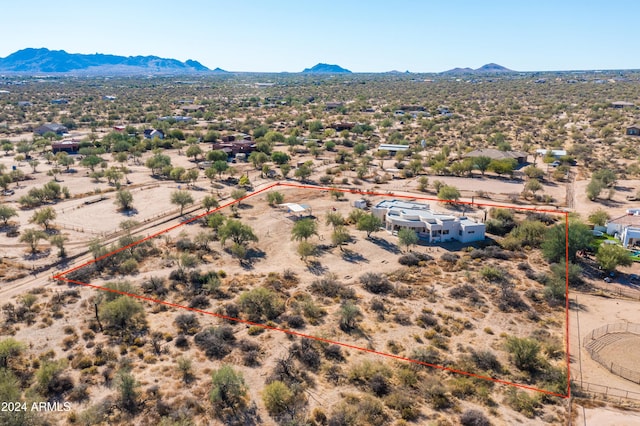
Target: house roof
(627,219)
(392,147)
(634,126)
(495,154)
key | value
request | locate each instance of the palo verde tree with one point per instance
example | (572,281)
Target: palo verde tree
(369,223)
(407,237)
(554,244)
(237,232)
(43,217)
(303,229)
(182,199)
(32,237)
(124,200)
(228,392)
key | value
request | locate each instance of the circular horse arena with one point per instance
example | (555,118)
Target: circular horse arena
(617,348)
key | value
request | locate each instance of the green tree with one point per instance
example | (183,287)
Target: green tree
(407,237)
(43,217)
(215,221)
(306,249)
(58,241)
(303,229)
(121,313)
(158,162)
(91,161)
(47,376)
(6,213)
(209,202)
(193,151)
(261,304)
(533,185)
(599,217)
(423,183)
(554,245)
(334,219)
(32,237)
(303,172)
(594,188)
(348,315)
(10,348)
(277,398)
(217,155)
(237,232)
(124,199)
(275,197)
(610,256)
(369,223)
(340,236)
(533,172)
(482,163)
(228,392)
(280,157)
(182,199)
(127,391)
(220,166)
(504,166)
(525,353)
(448,193)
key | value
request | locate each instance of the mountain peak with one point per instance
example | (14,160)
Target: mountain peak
(485,69)
(326,69)
(43,60)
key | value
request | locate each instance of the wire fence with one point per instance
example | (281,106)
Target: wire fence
(603,391)
(603,336)
(619,290)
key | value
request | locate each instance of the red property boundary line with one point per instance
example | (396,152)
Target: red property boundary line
(61,277)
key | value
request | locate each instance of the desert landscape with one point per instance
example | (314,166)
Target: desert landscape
(211,251)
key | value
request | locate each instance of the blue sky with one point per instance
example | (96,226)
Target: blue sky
(363,36)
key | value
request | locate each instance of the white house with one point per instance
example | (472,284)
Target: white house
(556,153)
(626,228)
(430,226)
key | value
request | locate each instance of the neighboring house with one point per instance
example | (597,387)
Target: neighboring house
(496,154)
(24,104)
(333,105)
(235,147)
(431,226)
(634,130)
(338,127)
(621,104)
(192,108)
(58,129)
(175,118)
(626,228)
(70,147)
(556,153)
(392,148)
(109,98)
(60,101)
(153,133)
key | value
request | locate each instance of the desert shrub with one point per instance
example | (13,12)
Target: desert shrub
(436,394)
(414,258)
(359,411)
(185,244)
(295,321)
(403,404)
(277,398)
(49,380)
(402,318)
(525,352)
(379,384)
(426,320)
(79,393)
(199,302)
(229,391)
(333,352)
(128,267)
(187,323)
(155,285)
(232,310)
(522,402)
(473,417)
(429,355)
(376,283)
(362,372)
(181,341)
(497,253)
(493,274)
(306,353)
(465,290)
(329,286)
(449,257)
(250,352)
(215,341)
(122,313)
(261,303)
(486,361)
(510,299)
(348,316)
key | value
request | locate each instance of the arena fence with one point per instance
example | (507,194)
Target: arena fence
(601,337)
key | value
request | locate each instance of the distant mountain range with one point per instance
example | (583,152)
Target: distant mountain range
(326,69)
(485,69)
(58,61)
